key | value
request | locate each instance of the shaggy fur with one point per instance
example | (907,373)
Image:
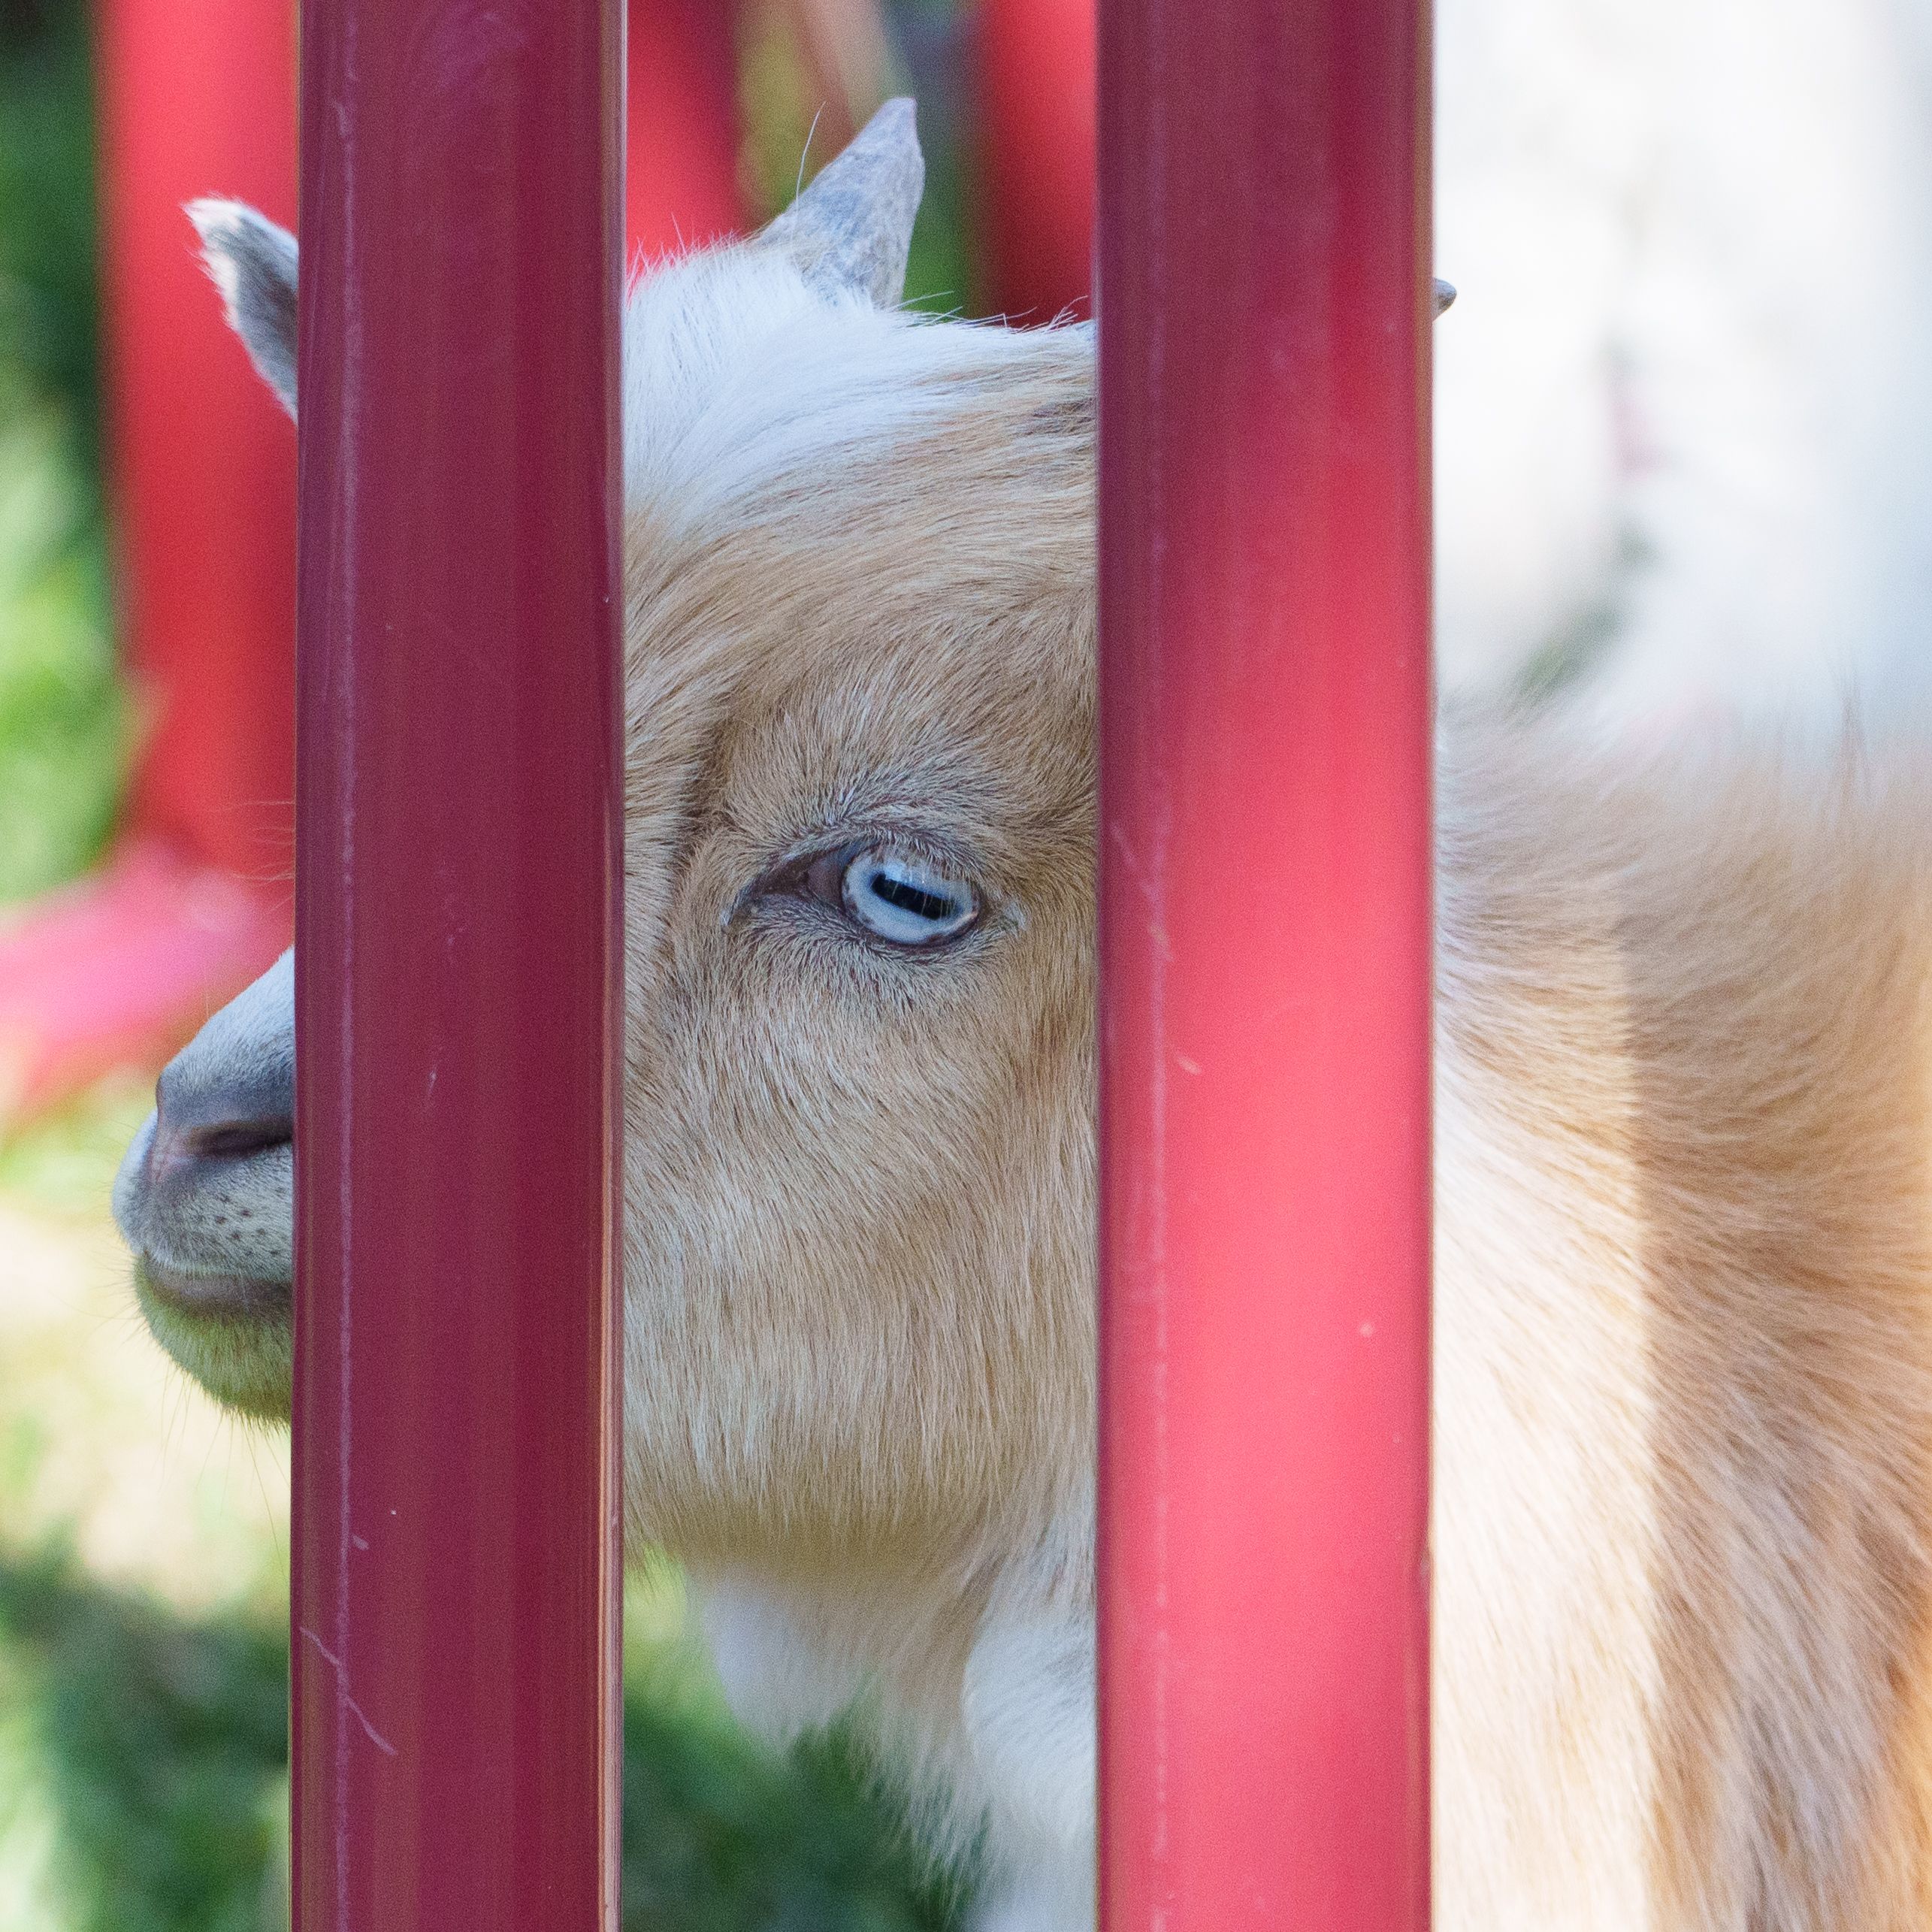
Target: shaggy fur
(1683,1377)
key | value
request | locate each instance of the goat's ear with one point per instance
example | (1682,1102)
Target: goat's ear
(1445,294)
(253,265)
(851,230)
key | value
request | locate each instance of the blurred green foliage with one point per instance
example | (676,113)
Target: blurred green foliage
(49,312)
(62,720)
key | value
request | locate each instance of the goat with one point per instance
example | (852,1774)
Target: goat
(1683,1436)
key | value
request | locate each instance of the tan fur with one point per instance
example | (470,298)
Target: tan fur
(1684,1375)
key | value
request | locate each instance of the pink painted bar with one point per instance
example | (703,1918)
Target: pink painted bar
(196,100)
(1265,907)
(1033,114)
(681,165)
(459,863)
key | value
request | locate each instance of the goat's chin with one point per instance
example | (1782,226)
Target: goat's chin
(239,1346)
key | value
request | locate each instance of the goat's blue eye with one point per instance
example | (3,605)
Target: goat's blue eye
(896,898)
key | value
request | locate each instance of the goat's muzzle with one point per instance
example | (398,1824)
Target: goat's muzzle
(203,1198)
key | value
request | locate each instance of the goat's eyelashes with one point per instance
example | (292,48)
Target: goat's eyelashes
(899,899)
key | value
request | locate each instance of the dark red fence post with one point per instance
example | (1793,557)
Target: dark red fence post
(681,166)
(1265,728)
(456,1586)
(199,99)
(1034,139)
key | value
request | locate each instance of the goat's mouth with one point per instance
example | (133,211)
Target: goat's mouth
(234,1335)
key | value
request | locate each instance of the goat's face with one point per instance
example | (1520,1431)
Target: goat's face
(205,1197)
(859,799)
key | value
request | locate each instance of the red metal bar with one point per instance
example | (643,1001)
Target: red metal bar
(681,168)
(1265,716)
(456,1541)
(1034,137)
(198,97)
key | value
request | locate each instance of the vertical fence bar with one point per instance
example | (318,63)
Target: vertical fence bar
(198,97)
(1265,721)
(1033,61)
(455,1550)
(681,163)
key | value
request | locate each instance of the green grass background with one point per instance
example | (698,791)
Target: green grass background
(62,724)
(143,1647)
(143,1783)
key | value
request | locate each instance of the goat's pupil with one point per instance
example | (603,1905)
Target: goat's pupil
(910,898)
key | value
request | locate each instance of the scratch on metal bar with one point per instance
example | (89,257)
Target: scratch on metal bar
(345,614)
(334,1663)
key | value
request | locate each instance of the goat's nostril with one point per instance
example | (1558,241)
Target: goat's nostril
(222,1118)
(231,1140)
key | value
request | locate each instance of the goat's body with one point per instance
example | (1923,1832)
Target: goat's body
(1684,1347)
(1683,1602)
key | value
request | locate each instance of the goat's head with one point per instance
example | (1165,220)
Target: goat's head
(859,808)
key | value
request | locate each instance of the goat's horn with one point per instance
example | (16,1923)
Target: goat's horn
(852,228)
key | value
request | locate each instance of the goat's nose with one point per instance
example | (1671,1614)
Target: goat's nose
(228,1119)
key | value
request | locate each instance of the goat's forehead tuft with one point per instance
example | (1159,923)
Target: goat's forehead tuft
(738,376)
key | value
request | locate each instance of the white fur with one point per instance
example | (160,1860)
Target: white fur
(1686,393)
